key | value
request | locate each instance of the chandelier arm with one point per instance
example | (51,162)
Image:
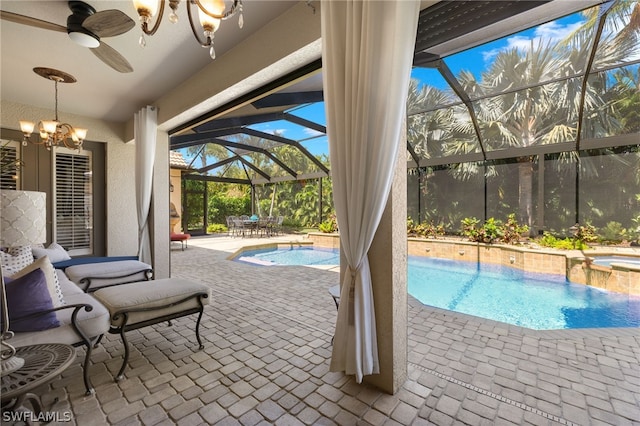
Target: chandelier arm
(208,41)
(225,15)
(145,27)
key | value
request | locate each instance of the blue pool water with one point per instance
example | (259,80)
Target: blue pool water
(500,293)
(292,256)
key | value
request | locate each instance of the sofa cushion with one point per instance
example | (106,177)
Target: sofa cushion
(108,273)
(93,323)
(55,252)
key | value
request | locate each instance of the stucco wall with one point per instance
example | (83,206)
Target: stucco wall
(122,220)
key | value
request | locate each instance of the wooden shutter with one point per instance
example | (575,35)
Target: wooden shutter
(73,194)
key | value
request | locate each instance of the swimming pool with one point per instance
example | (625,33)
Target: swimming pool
(500,293)
(304,255)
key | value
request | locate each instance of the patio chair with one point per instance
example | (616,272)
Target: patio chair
(238,226)
(231,226)
(277,225)
(264,226)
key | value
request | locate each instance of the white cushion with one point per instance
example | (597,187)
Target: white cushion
(55,252)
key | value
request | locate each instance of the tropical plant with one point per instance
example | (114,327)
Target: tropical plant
(512,231)
(329,225)
(549,240)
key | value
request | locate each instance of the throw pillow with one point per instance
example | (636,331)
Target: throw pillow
(15,259)
(55,252)
(51,277)
(28,295)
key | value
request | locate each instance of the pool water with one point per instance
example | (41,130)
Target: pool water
(532,300)
(501,293)
(292,256)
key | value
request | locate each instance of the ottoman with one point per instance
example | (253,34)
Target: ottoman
(92,276)
(136,305)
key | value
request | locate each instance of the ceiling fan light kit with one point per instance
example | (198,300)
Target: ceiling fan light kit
(52,132)
(210,13)
(77,33)
(87,27)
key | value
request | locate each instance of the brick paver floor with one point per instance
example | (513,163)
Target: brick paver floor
(267,336)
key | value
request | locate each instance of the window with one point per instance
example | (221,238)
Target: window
(73,206)
(9,164)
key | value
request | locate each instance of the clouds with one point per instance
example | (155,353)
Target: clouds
(550,32)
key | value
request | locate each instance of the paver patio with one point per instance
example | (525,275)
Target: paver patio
(267,336)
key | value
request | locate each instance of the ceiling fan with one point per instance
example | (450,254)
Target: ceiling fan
(86,27)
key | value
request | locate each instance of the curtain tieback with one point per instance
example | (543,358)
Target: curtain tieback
(352,290)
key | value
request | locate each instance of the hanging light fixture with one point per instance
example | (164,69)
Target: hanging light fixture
(210,13)
(52,132)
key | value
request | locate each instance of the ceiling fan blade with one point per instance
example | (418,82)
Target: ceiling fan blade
(27,20)
(111,57)
(108,23)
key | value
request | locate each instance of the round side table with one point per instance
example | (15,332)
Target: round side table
(42,363)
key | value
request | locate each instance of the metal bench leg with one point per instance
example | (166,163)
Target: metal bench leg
(85,368)
(200,345)
(125,343)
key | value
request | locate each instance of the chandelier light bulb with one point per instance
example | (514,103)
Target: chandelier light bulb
(49,126)
(210,15)
(27,127)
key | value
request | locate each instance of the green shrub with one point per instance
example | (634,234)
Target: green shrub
(329,225)
(291,224)
(216,228)
(489,232)
(470,228)
(549,240)
(512,231)
(427,230)
(613,232)
(493,230)
(586,234)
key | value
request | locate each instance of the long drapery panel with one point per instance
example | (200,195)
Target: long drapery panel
(145,133)
(367,54)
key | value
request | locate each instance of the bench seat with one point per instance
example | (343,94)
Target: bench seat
(93,276)
(140,304)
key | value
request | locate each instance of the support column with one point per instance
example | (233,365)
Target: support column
(388,262)
(160,208)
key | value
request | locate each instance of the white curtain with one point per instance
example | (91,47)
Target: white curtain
(367,54)
(145,132)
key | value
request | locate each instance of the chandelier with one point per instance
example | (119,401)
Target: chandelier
(52,132)
(210,13)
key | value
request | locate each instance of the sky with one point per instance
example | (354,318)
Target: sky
(478,58)
(474,60)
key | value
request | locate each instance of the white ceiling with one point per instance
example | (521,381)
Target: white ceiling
(171,56)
